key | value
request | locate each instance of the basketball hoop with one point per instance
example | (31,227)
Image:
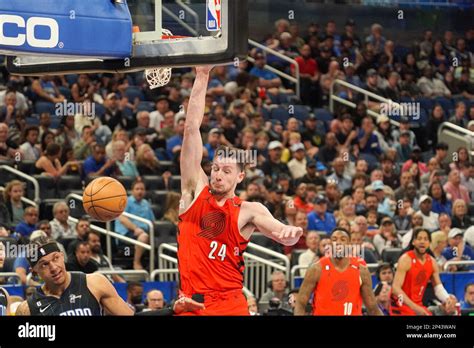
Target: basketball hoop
(159,77)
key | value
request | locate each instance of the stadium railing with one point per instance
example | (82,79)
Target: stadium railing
(257,272)
(294,79)
(457,263)
(144,274)
(29,178)
(111,235)
(334,98)
(456,137)
(294,269)
(164,273)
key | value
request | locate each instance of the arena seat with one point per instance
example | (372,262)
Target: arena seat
(280,113)
(68,183)
(166,165)
(99,109)
(27,167)
(48,187)
(154,182)
(158,210)
(133,92)
(159,197)
(71,79)
(146,106)
(301,112)
(6,176)
(32,120)
(66,92)
(126,181)
(425,103)
(41,107)
(175,183)
(446,103)
(323,115)
(46,208)
(391,255)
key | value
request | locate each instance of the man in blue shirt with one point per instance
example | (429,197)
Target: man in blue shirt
(267,78)
(456,244)
(139,206)
(213,142)
(28,225)
(468,302)
(173,144)
(97,165)
(320,219)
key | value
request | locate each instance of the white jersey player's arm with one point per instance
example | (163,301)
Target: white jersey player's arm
(193,178)
(258,215)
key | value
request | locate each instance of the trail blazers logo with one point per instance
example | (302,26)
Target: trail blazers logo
(212,224)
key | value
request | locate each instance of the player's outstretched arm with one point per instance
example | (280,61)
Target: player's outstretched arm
(192,175)
(404,264)
(23,309)
(265,223)
(311,278)
(366,292)
(107,296)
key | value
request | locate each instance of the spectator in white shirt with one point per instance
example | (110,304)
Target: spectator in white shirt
(297,165)
(157,117)
(29,148)
(431,86)
(311,254)
(61,228)
(430,219)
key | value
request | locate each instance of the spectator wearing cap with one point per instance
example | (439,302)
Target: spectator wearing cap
(384,133)
(403,147)
(459,117)
(297,165)
(369,145)
(388,169)
(460,218)
(267,79)
(404,127)
(415,159)
(301,200)
(273,166)
(320,219)
(388,236)
(314,174)
(430,219)
(310,256)
(343,182)
(458,250)
(275,202)
(312,135)
(454,189)
(347,135)
(213,142)
(385,205)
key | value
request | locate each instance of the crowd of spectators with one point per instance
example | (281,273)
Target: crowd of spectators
(352,170)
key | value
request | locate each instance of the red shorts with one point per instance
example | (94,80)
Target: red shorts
(405,310)
(225,303)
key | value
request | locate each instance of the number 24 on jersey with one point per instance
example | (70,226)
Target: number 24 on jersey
(222,251)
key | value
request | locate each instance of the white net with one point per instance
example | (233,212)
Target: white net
(159,77)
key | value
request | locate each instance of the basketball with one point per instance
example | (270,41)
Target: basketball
(104,199)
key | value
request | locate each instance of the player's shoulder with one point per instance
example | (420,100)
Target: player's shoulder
(405,260)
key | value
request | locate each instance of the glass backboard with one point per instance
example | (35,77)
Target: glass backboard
(203,32)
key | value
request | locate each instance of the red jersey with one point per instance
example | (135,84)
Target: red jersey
(338,293)
(415,282)
(210,247)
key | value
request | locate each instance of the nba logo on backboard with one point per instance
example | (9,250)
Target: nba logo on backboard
(213,21)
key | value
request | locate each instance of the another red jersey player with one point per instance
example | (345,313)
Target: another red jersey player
(214,224)
(339,283)
(415,269)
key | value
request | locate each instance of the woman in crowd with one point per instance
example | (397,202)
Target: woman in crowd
(346,209)
(388,236)
(12,195)
(439,241)
(172,207)
(49,163)
(459,215)
(441,204)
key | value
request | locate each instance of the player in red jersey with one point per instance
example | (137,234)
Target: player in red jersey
(215,225)
(339,282)
(415,268)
